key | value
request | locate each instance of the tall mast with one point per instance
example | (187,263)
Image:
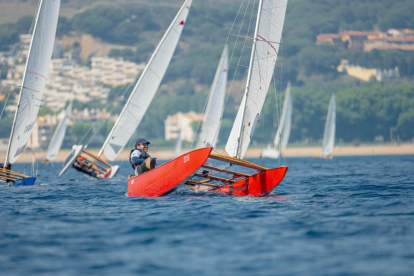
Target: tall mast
(24,77)
(246,93)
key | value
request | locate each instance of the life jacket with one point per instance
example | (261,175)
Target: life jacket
(144,155)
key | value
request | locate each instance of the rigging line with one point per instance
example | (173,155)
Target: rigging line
(238,63)
(281,76)
(110,113)
(277,117)
(231,57)
(84,136)
(5,103)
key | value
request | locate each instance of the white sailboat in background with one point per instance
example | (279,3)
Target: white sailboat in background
(137,104)
(283,131)
(214,111)
(329,133)
(31,92)
(57,139)
(178,146)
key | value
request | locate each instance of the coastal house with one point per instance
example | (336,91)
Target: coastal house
(366,74)
(181,122)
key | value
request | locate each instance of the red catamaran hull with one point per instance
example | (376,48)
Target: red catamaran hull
(258,184)
(165,178)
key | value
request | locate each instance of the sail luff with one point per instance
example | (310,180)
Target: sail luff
(329,132)
(57,139)
(21,89)
(283,117)
(249,78)
(150,79)
(34,78)
(215,106)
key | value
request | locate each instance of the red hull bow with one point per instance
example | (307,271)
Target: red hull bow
(165,178)
(258,184)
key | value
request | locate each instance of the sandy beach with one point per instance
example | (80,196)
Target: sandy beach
(402,149)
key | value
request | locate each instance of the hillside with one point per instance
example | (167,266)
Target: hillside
(309,67)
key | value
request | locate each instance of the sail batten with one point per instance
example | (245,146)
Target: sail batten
(268,33)
(34,79)
(146,87)
(214,111)
(57,139)
(330,126)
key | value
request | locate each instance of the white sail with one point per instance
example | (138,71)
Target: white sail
(178,146)
(57,139)
(35,77)
(266,40)
(215,105)
(288,126)
(284,118)
(145,89)
(329,133)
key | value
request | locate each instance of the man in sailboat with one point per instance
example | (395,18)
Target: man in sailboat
(83,165)
(139,158)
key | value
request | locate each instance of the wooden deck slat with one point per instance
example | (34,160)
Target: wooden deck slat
(97,158)
(192,182)
(238,162)
(212,177)
(225,170)
(3,170)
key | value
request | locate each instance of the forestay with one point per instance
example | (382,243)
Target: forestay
(215,105)
(283,131)
(57,139)
(330,125)
(35,77)
(269,25)
(145,89)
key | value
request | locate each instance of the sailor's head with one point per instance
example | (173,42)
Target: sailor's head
(142,144)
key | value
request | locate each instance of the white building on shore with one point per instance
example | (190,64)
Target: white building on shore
(181,122)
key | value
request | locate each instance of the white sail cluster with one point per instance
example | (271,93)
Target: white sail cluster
(267,38)
(330,126)
(35,76)
(145,89)
(214,111)
(57,139)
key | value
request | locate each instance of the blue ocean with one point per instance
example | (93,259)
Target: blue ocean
(345,216)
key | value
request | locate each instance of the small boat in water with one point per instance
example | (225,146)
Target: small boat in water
(192,169)
(31,91)
(134,109)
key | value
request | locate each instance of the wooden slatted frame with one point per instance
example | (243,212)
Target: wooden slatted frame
(225,171)
(237,162)
(212,177)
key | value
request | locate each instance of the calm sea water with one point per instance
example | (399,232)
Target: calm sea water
(346,216)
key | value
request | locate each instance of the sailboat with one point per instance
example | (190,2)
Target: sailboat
(283,131)
(212,116)
(31,91)
(57,138)
(329,132)
(135,108)
(178,145)
(183,170)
